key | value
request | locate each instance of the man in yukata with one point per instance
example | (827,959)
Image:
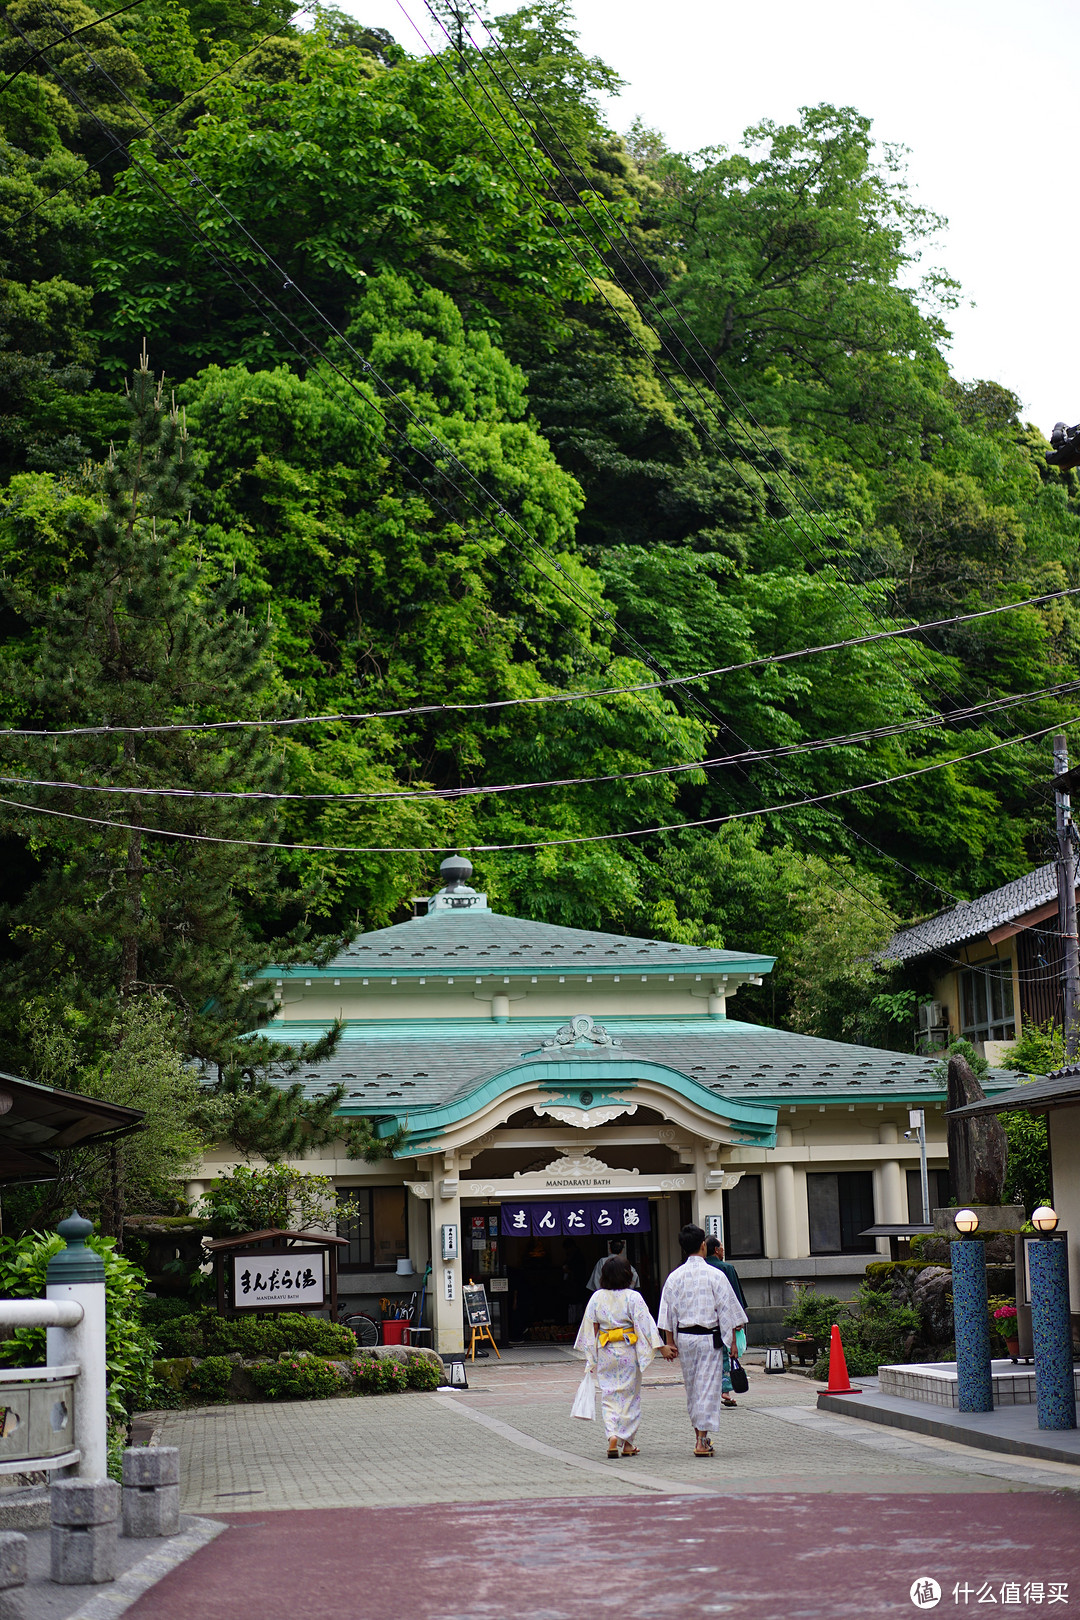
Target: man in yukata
(699,1314)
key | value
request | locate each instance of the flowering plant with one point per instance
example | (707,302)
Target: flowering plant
(1004,1312)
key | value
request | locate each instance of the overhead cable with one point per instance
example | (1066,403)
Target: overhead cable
(750,756)
(544,843)
(561,697)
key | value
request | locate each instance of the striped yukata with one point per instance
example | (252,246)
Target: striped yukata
(699,1295)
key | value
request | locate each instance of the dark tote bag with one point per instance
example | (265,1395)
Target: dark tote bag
(737,1373)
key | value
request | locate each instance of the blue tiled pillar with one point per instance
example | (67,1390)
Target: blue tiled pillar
(972,1328)
(1051,1331)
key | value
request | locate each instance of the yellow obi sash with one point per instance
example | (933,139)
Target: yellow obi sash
(615,1336)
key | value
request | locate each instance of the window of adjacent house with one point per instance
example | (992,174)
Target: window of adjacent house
(375,1227)
(841,1205)
(986,1003)
(939,1193)
(744,1231)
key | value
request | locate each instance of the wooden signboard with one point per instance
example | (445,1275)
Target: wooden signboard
(478,1316)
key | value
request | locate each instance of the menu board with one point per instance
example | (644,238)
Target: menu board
(477,1308)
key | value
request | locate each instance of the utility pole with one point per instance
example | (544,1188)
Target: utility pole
(1066,879)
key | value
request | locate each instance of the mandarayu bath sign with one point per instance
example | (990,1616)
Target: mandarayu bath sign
(272,1281)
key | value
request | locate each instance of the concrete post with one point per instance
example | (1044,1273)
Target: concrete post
(13,1571)
(975,1388)
(151,1494)
(84,1531)
(1051,1332)
(786,1214)
(77,1275)
(446,1307)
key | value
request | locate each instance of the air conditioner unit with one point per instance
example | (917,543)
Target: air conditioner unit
(933,1015)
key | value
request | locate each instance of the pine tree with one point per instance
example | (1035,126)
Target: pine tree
(119,906)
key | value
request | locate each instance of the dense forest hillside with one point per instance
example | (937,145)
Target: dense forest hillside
(469,402)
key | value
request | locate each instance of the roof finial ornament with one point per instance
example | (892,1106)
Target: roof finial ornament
(455,871)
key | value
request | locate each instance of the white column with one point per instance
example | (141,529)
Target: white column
(446,1307)
(890,1190)
(786,1212)
(707,1200)
(768,1213)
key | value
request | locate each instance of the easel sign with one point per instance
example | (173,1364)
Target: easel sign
(478,1317)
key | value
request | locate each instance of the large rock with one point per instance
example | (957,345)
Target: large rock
(932,1296)
(978,1151)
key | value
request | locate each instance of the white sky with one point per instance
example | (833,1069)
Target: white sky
(983,92)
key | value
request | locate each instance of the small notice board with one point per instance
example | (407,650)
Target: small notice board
(477,1306)
(478,1316)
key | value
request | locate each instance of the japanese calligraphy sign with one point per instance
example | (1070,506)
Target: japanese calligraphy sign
(265,1282)
(608,1217)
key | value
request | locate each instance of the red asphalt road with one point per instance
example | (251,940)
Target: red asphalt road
(797,1557)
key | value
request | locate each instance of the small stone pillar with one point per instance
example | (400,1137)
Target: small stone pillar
(151,1491)
(12,1574)
(975,1388)
(84,1531)
(1051,1332)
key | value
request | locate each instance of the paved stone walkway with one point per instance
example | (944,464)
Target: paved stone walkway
(510,1438)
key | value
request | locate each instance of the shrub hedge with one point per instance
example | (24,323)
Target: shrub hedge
(299,1378)
(205,1333)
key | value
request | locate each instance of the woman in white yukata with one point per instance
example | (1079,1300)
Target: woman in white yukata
(619,1339)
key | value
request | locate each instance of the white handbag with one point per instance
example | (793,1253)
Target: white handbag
(585,1400)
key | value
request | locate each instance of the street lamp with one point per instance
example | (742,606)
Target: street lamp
(1051,1327)
(966,1221)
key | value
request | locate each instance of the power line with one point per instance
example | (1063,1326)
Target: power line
(544,843)
(572,697)
(751,756)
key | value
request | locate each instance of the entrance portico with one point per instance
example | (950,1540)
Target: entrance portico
(582,1119)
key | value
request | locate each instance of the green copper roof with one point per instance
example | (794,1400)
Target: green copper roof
(478,941)
(397,1066)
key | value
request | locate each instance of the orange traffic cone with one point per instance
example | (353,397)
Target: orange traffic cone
(839,1383)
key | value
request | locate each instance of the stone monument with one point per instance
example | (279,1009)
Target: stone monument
(978,1150)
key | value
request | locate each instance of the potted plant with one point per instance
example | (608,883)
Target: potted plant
(1005,1317)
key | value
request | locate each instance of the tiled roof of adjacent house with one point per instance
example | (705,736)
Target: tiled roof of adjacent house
(401,1067)
(1038,1094)
(482,941)
(972,918)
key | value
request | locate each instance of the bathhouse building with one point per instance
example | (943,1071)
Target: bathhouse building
(551,1088)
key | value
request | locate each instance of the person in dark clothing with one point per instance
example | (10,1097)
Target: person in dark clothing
(714,1256)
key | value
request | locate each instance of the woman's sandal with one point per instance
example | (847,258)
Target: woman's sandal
(728,1400)
(630,1451)
(613,1449)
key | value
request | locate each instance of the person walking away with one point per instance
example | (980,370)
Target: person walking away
(616,1246)
(619,1339)
(714,1256)
(697,1304)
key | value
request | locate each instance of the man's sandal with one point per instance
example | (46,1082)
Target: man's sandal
(728,1400)
(704,1449)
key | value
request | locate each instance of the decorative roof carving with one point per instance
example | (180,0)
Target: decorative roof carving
(580,1031)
